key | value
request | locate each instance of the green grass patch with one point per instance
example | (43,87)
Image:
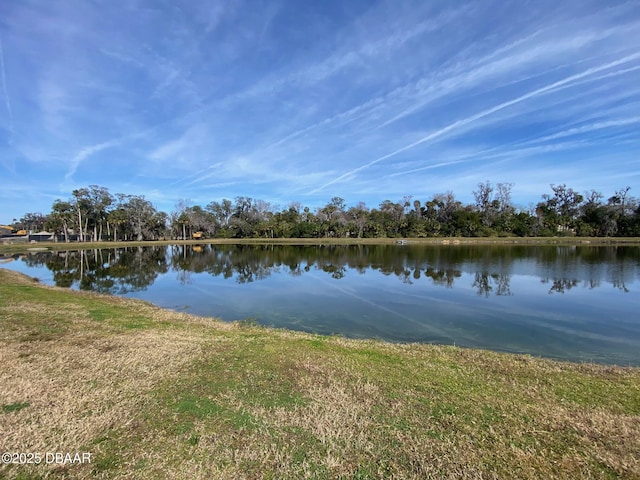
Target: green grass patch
(101,313)
(14,407)
(223,383)
(594,391)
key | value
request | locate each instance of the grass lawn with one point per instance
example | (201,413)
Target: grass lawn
(151,393)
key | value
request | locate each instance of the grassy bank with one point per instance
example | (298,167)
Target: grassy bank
(23,246)
(157,394)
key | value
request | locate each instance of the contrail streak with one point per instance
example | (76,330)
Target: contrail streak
(87,152)
(6,93)
(484,113)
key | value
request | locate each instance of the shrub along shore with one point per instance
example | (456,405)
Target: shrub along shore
(151,393)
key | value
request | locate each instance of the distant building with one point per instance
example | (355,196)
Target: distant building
(41,237)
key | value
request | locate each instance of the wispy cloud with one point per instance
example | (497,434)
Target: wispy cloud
(468,120)
(85,153)
(282,102)
(506,65)
(587,128)
(5,91)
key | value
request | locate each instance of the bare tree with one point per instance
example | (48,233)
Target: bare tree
(503,195)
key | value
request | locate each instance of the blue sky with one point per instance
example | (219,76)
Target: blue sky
(305,100)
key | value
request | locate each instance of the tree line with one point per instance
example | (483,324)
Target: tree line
(93,213)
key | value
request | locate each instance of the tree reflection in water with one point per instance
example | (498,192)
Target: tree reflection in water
(485,281)
(115,271)
(129,269)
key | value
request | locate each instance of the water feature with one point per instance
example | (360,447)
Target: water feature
(568,302)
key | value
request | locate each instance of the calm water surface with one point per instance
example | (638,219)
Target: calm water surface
(573,303)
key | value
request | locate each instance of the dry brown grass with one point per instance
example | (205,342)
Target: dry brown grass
(87,381)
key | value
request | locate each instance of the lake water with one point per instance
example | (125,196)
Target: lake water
(575,303)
